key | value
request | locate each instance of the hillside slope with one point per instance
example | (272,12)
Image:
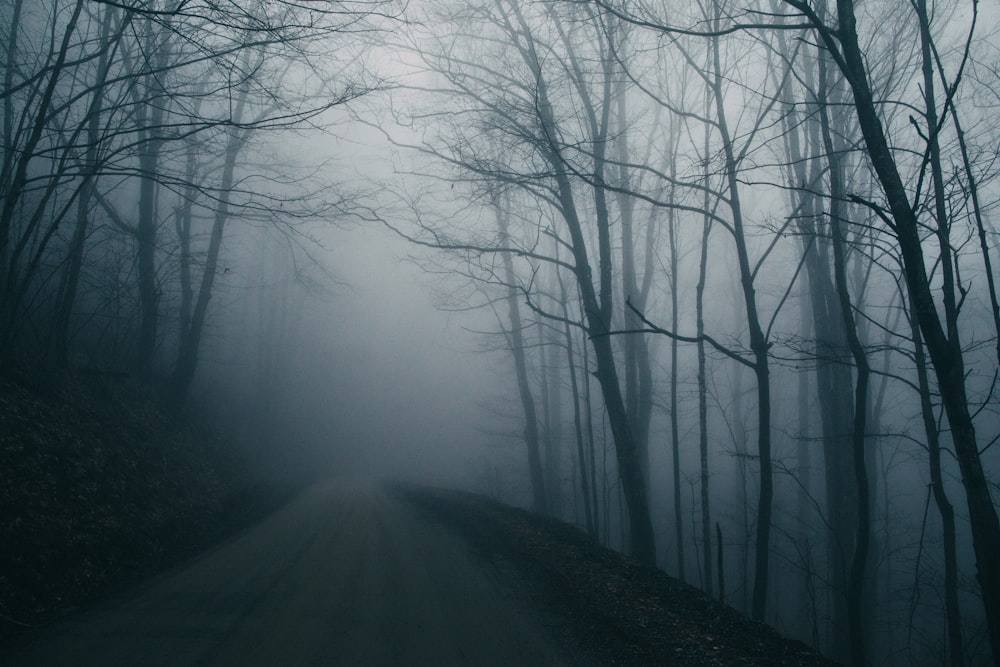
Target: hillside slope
(98,488)
(615,609)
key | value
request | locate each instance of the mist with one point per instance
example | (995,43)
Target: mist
(374,380)
(718,292)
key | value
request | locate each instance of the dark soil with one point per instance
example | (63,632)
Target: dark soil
(617,611)
(98,488)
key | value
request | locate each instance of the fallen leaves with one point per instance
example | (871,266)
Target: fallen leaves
(625,613)
(95,486)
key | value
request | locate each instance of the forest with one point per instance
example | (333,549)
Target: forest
(731,264)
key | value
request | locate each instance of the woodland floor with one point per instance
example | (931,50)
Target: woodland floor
(99,489)
(609,606)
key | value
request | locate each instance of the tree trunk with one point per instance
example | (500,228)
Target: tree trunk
(183,221)
(856,580)
(706,536)
(146,225)
(638,374)
(586,488)
(531,437)
(675,439)
(552,402)
(758,346)
(953,613)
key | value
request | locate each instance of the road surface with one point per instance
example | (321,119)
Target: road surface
(343,575)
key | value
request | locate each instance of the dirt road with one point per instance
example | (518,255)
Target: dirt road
(344,575)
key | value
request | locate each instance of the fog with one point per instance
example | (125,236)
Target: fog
(723,298)
(374,379)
